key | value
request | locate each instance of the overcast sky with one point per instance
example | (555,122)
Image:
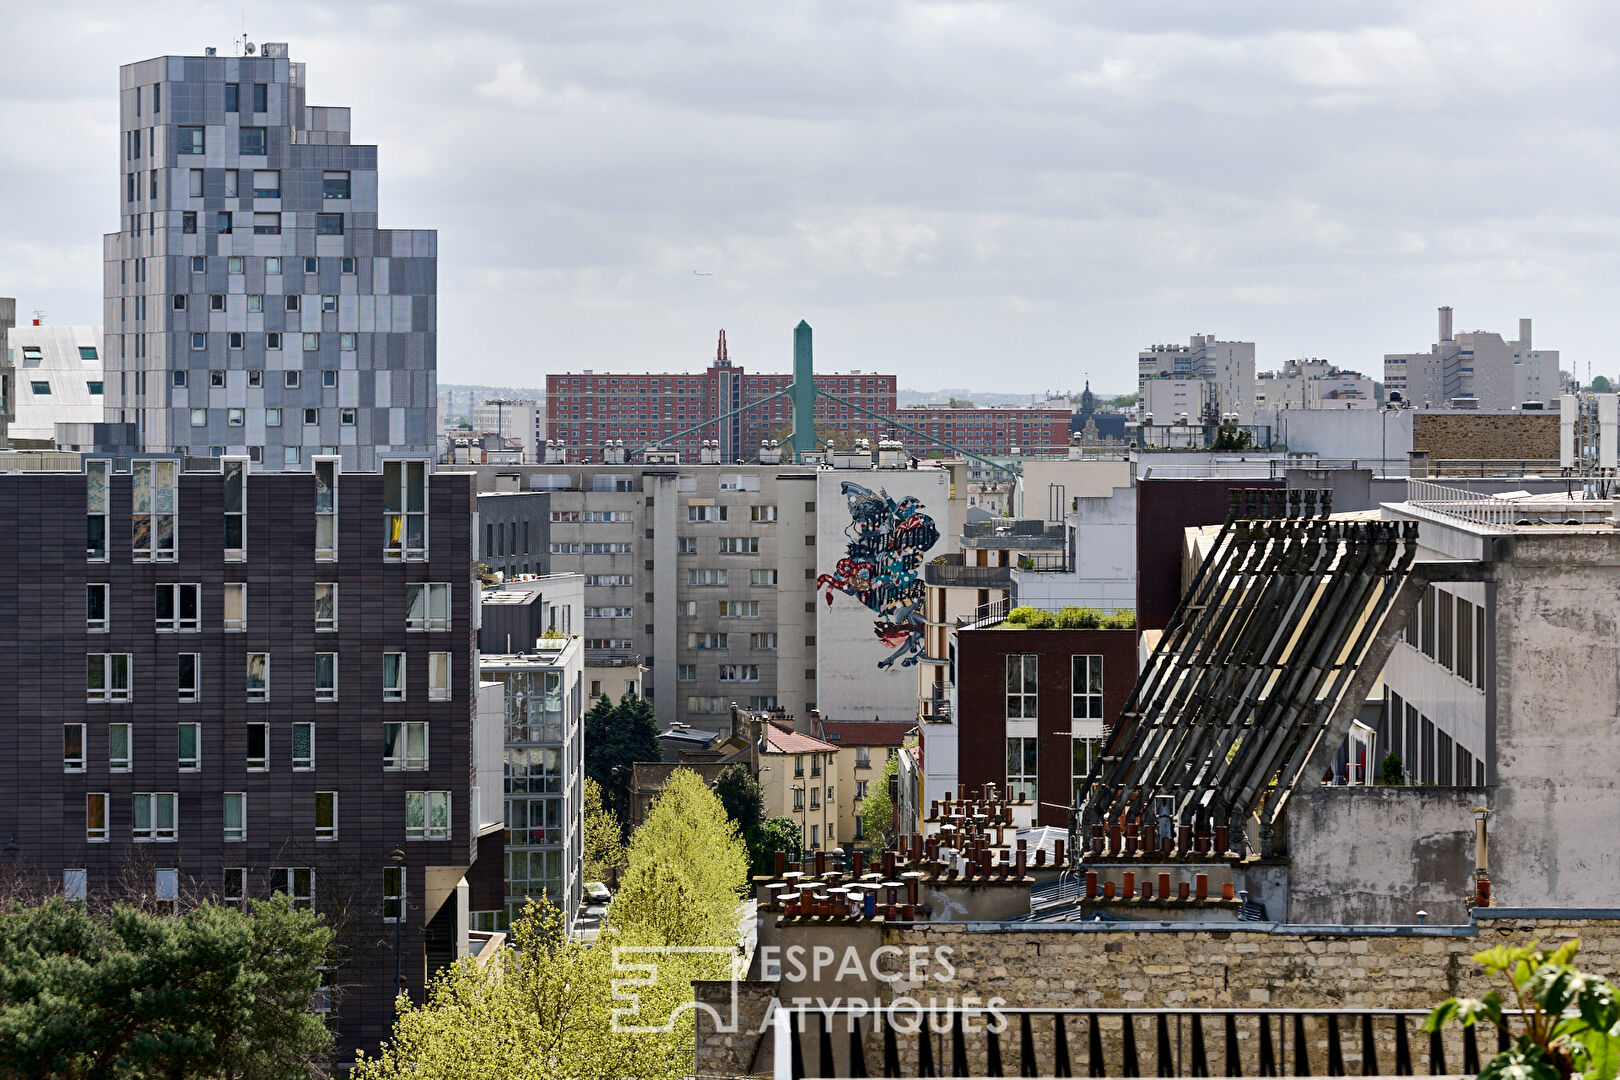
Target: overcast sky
(1001,196)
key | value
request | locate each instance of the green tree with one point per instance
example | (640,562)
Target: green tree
(770,836)
(1569,1021)
(213,991)
(686,870)
(604,838)
(543,1010)
(548,1008)
(742,796)
(1232,438)
(1393,772)
(877,808)
(616,737)
(1601,385)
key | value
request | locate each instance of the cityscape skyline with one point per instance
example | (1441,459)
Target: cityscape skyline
(1057,215)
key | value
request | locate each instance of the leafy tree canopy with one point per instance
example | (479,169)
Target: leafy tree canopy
(742,796)
(604,838)
(547,1008)
(770,836)
(616,737)
(213,991)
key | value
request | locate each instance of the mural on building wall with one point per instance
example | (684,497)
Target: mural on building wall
(882,567)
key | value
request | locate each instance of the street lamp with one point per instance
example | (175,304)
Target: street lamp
(399,915)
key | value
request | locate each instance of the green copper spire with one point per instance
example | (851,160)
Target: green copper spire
(803,393)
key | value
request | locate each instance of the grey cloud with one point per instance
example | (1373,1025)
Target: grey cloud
(958,192)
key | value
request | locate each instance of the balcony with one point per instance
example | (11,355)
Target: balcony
(948,571)
(935,708)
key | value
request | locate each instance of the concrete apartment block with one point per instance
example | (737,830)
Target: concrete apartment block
(1226,367)
(702,574)
(1477,364)
(253,305)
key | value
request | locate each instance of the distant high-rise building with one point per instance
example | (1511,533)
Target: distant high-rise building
(1226,366)
(253,306)
(1474,365)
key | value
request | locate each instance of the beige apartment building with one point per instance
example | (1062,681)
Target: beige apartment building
(863,748)
(799,774)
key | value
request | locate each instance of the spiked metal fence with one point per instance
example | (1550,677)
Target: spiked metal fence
(957,1042)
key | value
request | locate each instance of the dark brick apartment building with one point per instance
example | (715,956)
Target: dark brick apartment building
(221,683)
(1033,708)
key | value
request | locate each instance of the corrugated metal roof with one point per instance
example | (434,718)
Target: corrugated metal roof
(54,378)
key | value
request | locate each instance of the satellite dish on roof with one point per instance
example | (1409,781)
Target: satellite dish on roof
(249,48)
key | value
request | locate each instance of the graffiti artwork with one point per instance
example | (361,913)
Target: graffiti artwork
(882,567)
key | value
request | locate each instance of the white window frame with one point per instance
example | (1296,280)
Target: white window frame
(329,623)
(398,521)
(329,831)
(188,694)
(96,473)
(93,833)
(74,884)
(303,764)
(194,762)
(327,470)
(1017,781)
(72,763)
(427,606)
(125,733)
(402,759)
(395,888)
(262,692)
(1086,688)
(298,887)
(110,690)
(397,691)
(261,762)
(238,833)
(155,832)
(233,890)
(177,623)
(156,476)
(439,676)
(328,692)
(234,471)
(424,806)
(92,624)
(236,596)
(1023,685)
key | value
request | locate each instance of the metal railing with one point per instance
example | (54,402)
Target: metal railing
(1481,508)
(954,574)
(917,1040)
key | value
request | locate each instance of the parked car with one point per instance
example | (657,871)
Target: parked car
(597,893)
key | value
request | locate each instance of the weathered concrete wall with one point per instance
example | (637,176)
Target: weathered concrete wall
(1555,833)
(1066,965)
(1377,855)
(1494,436)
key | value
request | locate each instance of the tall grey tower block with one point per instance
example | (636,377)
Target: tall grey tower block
(253,306)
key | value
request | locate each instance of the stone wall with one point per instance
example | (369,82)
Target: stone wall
(1102,966)
(1492,436)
